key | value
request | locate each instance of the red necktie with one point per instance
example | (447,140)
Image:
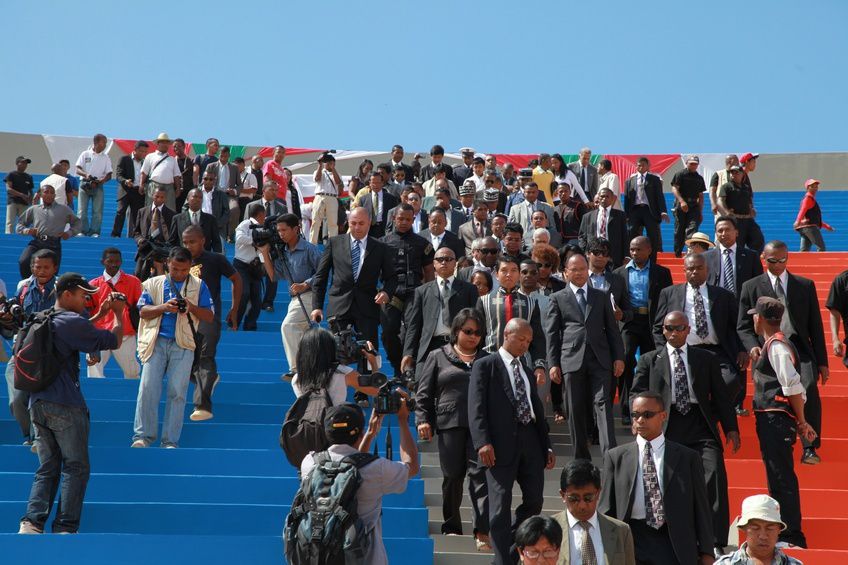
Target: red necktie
(508,307)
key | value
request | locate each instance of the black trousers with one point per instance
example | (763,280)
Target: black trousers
(270,293)
(590,388)
(776,432)
(730,373)
(457,458)
(391,319)
(653,547)
(750,234)
(127,206)
(685,224)
(636,335)
(641,218)
(693,431)
(205,369)
(528,470)
(251,295)
(813,406)
(24,261)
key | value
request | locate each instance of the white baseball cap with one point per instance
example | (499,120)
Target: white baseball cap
(760,507)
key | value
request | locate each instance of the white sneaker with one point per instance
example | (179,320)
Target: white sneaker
(170,446)
(139,443)
(95,235)
(28,527)
(200,415)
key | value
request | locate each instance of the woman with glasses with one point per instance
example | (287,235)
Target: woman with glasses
(547,258)
(538,539)
(483,281)
(442,408)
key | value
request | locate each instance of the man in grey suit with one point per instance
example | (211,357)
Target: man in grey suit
(478,227)
(584,344)
(228,182)
(522,213)
(586,173)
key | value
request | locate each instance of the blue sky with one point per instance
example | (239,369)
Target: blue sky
(620,76)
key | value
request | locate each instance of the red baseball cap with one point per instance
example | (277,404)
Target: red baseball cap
(811,182)
(747,157)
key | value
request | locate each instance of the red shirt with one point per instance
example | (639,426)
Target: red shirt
(807,204)
(273,171)
(128,285)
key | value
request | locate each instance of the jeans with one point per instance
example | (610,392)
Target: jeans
(18,401)
(171,359)
(62,451)
(91,227)
(811,235)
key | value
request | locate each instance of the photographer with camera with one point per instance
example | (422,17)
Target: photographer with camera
(45,222)
(442,407)
(170,307)
(325,206)
(94,168)
(296,262)
(251,269)
(273,207)
(151,234)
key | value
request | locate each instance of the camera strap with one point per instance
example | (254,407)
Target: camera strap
(159,162)
(183,296)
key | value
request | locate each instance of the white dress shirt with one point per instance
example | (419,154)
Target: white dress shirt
(576,187)
(585,288)
(605,212)
(362,243)
(137,163)
(637,512)
(786,323)
(207,200)
(436,240)
(780,357)
(722,281)
(94,164)
(416,224)
(223,176)
(326,185)
(684,355)
(689,310)
(641,196)
(507,358)
(441,328)
(611,181)
(245,251)
(114,280)
(153,209)
(576,535)
(164,173)
(248,181)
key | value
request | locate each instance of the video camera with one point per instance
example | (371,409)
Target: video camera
(155,250)
(388,397)
(12,315)
(267,234)
(349,342)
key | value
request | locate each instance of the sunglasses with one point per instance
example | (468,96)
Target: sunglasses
(675,328)
(546,265)
(469,331)
(774,260)
(647,414)
(547,554)
(443,259)
(575,499)
(490,182)
(489,251)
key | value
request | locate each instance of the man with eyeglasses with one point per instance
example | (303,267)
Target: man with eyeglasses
(584,529)
(446,295)
(690,382)
(801,324)
(657,487)
(484,252)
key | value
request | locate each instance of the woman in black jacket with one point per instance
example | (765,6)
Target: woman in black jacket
(442,407)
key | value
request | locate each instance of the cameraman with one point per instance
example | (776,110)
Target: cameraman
(413,266)
(169,306)
(325,206)
(296,263)
(34,294)
(251,269)
(344,426)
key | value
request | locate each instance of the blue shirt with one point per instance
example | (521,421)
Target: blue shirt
(72,334)
(638,282)
(36,299)
(599,282)
(302,263)
(168,327)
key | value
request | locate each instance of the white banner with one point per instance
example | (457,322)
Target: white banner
(67,147)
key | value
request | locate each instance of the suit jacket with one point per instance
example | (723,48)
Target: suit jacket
(653,193)
(449,240)
(591,186)
(615,535)
(654,373)
(723,315)
(207,223)
(349,298)
(521,214)
(220,207)
(748,266)
(233,181)
(618,290)
(145,217)
(569,334)
(616,233)
(278,207)
(125,171)
(491,409)
(659,277)
(378,225)
(460,173)
(467,235)
(803,306)
(428,172)
(420,327)
(422,218)
(687,509)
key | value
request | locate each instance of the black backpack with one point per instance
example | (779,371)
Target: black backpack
(303,428)
(323,527)
(36,362)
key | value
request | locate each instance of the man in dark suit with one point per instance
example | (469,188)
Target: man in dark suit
(584,345)
(377,202)
(510,434)
(657,487)
(424,333)
(358,262)
(229,183)
(689,380)
(396,162)
(802,325)
(151,228)
(645,279)
(215,202)
(730,265)
(478,227)
(130,191)
(712,313)
(644,204)
(440,237)
(586,172)
(193,214)
(606,222)
(463,171)
(437,154)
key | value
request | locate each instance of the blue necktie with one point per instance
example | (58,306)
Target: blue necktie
(354,259)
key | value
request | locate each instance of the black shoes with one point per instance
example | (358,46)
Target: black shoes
(810,457)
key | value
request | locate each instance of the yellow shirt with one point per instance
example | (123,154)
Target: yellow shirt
(544,179)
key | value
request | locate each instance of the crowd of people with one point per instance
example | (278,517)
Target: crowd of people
(499,291)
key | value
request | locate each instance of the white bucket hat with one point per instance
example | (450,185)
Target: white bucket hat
(760,507)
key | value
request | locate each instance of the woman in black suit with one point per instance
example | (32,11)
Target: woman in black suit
(442,407)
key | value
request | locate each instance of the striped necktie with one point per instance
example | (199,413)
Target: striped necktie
(727,269)
(355,252)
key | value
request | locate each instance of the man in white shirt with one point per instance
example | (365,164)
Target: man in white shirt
(248,263)
(588,535)
(478,168)
(325,205)
(93,168)
(161,169)
(59,182)
(610,180)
